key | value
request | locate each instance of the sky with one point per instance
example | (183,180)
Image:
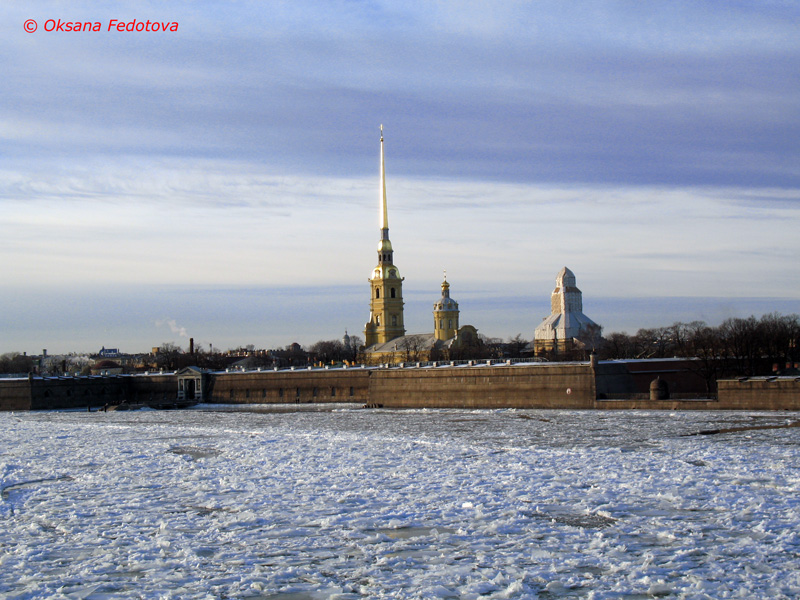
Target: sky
(221,181)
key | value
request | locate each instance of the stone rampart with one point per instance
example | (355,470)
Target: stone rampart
(15,394)
(76,392)
(297,387)
(518,385)
(156,388)
(759,393)
(54,393)
(530,385)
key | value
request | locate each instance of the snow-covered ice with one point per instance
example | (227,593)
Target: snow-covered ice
(336,502)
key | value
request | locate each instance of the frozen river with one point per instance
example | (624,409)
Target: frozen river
(328,502)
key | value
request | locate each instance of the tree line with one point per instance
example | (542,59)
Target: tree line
(737,347)
(741,347)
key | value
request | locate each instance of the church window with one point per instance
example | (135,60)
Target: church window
(280,392)
(333,392)
(377,292)
(449,323)
(393,292)
(352,391)
(441,323)
(378,320)
(394,320)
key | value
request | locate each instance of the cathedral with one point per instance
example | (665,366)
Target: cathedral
(384,334)
(566,330)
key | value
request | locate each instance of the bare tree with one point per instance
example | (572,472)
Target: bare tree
(703,343)
(617,345)
(328,351)
(356,346)
(14,362)
(516,345)
(414,346)
(168,356)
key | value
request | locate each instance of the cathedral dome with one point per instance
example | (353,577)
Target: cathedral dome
(445,302)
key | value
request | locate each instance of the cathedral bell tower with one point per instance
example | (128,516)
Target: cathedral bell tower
(386,286)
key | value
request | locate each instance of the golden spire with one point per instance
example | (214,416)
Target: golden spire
(384,220)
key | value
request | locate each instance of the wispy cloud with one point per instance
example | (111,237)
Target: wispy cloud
(651,147)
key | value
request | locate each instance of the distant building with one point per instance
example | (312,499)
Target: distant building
(106,367)
(567,328)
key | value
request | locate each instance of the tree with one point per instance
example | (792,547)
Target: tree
(740,345)
(703,343)
(516,345)
(14,362)
(168,356)
(618,346)
(356,345)
(327,351)
(414,346)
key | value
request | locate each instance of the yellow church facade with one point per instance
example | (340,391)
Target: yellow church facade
(384,333)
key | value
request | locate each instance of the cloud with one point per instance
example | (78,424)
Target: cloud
(650,147)
(595,93)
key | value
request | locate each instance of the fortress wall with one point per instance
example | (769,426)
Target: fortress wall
(518,386)
(53,393)
(262,387)
(540,385)
(625,378)
(15,394)
(770,393)
(143,389)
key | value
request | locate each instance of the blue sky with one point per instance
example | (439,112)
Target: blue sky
(224,177)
